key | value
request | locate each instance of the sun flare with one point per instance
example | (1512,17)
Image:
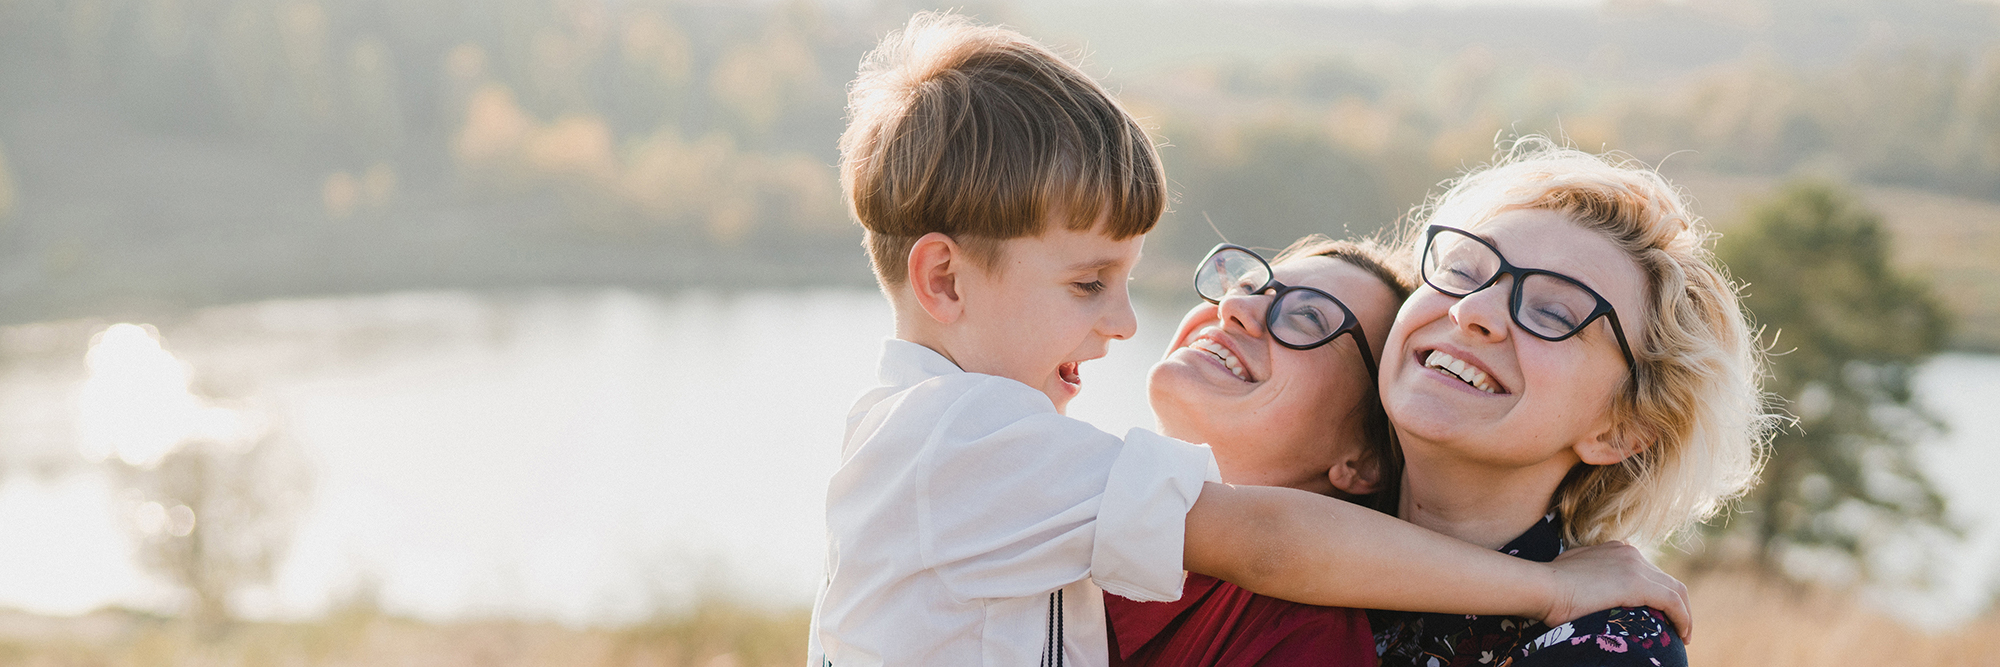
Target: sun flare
(136,404)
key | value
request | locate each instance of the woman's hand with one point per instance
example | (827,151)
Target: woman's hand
(1614,574)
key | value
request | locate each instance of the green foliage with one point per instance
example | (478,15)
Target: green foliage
(1849,332)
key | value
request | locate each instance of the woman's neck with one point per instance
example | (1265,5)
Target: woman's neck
(1254,473)
(1485,505)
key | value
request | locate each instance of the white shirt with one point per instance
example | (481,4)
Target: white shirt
(964,502)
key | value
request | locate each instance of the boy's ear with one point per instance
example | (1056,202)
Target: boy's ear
(935,263)
(1356,474)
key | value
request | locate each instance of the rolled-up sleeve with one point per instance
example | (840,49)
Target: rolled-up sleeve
(1142,517)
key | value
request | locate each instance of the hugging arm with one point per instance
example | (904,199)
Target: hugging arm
(1304,547)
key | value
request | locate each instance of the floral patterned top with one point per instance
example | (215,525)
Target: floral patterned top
(1610,638)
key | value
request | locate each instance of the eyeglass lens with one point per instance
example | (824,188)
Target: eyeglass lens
(1299,317)
(1305,317)
(1231,270)
(1549,306)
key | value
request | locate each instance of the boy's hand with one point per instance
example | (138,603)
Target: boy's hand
(1613,574)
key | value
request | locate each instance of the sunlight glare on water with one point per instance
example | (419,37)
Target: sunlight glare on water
(136,404)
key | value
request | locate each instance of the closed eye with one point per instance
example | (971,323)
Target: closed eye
(1555,317)
(1091,287)
(1310,320)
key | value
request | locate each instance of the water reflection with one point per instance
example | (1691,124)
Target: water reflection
(584,456)
(590,456)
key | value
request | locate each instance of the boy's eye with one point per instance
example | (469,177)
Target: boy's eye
(1091,287)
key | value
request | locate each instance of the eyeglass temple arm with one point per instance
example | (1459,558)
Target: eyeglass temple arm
(1367,353)
(1618,329)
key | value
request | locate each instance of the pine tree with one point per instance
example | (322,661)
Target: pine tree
(1848,333)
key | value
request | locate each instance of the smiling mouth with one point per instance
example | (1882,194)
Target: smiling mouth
(1223,355)
(1463,371)
(1071,372)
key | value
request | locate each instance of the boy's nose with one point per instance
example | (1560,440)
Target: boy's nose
(1121,322)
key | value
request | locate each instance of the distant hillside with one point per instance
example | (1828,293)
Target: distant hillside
(159,156)
(1953,241)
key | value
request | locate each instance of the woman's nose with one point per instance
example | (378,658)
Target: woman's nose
(1484,313)
(1244,311)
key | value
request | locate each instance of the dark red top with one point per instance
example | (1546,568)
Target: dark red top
(1215,623)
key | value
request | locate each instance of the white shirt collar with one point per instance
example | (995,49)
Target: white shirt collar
(905,363)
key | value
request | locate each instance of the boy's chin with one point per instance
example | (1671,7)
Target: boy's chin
(1061,393)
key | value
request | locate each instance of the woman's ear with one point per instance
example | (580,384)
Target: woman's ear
(1614,444)
(933,275)
(1356,474)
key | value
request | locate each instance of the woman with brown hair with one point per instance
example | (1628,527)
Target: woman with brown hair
(1267,376)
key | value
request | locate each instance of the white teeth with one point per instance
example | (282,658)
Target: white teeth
(1228,360)
(1465,372)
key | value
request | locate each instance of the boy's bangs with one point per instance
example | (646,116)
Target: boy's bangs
(983,135)
(1118,188)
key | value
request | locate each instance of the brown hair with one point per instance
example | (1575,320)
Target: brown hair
(1692,413)
(1382,262)
(984,135)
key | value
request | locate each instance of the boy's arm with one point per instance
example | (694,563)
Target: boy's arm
(1304,547)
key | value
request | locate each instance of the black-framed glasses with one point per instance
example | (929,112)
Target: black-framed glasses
(1546,304)
(1299,317)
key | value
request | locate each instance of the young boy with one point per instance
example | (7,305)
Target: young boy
(1005,196)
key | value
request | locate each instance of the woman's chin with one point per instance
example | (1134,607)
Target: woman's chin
(1167,379)
(1179,392)
(1429,416)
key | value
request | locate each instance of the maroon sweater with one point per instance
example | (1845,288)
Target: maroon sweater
(1215,623)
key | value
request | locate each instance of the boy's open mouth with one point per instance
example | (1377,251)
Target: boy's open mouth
(1068,372)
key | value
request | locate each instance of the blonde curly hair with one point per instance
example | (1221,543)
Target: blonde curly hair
(1693,412)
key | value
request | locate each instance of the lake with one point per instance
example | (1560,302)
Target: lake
(586,456)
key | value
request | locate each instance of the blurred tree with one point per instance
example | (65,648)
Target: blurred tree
(1849,332)
(218,518)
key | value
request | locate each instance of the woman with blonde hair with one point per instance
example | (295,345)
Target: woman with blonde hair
(1574,369)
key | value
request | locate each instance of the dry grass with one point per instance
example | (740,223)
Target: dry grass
(1744,620)
(713,636)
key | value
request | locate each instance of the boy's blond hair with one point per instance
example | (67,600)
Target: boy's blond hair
(1692,409)
(984,135)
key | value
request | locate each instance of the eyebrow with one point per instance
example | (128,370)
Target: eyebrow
(1098,264)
